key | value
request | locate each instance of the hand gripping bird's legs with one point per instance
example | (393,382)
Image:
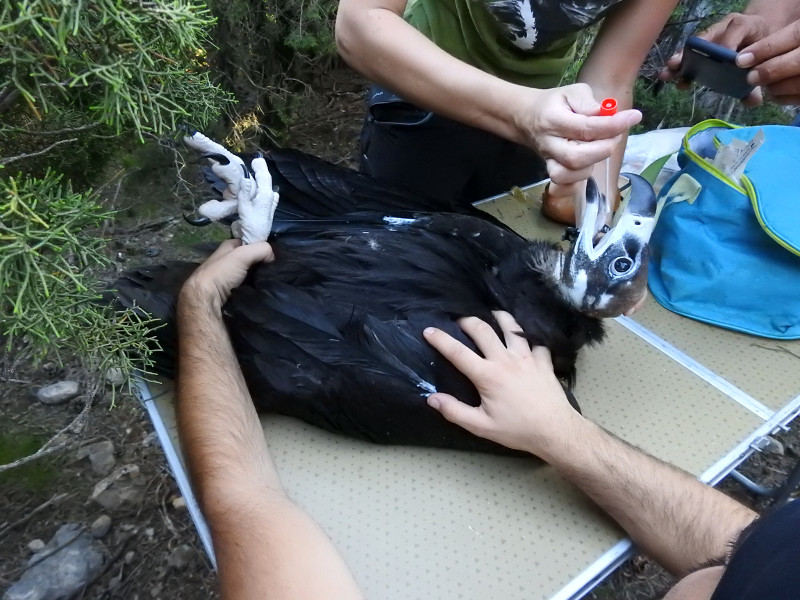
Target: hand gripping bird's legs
(252,197)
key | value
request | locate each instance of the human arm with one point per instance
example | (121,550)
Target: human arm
(265,545)
(610,70)
(560,124)
(671,516)
(626,36)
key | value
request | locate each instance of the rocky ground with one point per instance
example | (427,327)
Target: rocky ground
(103,518)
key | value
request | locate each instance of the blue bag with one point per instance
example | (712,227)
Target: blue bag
(729,254)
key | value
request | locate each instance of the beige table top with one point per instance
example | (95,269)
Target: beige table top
(424,523)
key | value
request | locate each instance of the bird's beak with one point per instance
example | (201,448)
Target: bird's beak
(605,272)
(635,219)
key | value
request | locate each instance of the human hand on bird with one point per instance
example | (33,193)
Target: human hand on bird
(252,197)
(563,126)
(223,271)
(522,403)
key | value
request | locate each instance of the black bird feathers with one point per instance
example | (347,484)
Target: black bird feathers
(331,331)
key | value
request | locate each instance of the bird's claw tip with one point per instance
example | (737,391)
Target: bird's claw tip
(197,221)
(220,158)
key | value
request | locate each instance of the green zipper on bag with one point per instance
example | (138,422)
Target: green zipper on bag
(701,162)
(747,186)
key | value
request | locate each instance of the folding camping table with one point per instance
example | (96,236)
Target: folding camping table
(428,523)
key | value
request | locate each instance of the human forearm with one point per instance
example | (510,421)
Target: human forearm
(671,516)
(220,431)
(623,42)
(266,546)
(560,124)
(378,43)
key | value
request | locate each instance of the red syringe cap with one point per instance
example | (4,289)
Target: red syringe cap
(608,107)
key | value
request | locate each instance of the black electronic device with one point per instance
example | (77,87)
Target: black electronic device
(714,66)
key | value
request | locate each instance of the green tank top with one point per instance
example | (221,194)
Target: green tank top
(528,42)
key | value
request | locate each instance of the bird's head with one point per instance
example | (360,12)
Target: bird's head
(604,272)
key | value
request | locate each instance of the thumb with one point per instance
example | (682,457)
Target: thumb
(455,411)
(256,252)
(580,99)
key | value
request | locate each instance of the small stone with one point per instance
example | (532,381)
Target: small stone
(115,377)
(114,582)
(36,545)
(66,564)
(773,446)
(129,556)
(181,557)
(149,533)
(152,251)
(179,503)
(149,439)
(58,393)
(124,487)
(100,527)
(101,455)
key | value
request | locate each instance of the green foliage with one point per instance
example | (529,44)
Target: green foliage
(309,26)
(80,80)
(664,106)
(32,477)
(269,53)
(127,64)
(50,247)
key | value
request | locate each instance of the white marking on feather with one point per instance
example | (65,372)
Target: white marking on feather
(603,302)
(400,222)
(525,11)
(577,292)
(429,388)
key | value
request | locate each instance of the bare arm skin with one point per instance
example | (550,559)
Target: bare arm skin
(266,546)
(671,516)
(610,70)
(767,37)
(560,123)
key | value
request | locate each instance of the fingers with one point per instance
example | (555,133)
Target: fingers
(246,255)
(471,418)
(754,98)
(780,75)
(462,358)
(775,60)
(582,123)
(735,31)
(781,42)
(515,342)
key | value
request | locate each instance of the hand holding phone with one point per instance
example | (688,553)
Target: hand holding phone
(714,66)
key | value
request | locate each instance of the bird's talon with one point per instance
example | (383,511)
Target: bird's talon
(197,221)
(570,234)
(220,158)
(187,128)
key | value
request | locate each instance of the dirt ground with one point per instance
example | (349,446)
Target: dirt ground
(152,549)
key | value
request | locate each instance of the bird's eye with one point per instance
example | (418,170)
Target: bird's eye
(621,265)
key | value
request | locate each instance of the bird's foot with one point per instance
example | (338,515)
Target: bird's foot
(248,191)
